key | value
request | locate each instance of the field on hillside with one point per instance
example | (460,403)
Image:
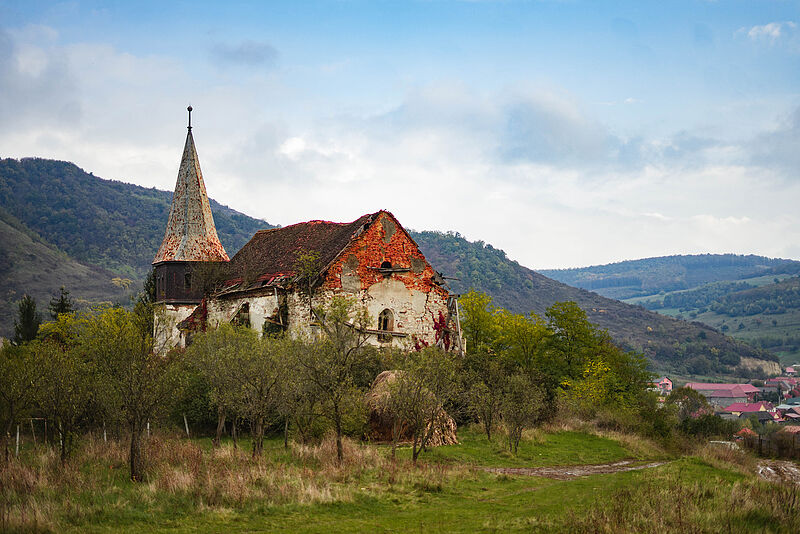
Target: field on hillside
(192,487)
(776,330)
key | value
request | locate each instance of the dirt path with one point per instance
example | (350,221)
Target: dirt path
(573,471)
(779,471)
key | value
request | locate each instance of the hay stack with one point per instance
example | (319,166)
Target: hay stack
(380,420)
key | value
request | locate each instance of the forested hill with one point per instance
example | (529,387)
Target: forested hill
(651,276)
(113,226)
(675,346)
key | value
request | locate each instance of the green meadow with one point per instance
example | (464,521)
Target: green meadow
(192,487)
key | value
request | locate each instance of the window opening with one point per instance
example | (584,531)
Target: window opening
(385,324)
(242,315)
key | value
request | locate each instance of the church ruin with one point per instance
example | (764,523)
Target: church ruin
(275,281)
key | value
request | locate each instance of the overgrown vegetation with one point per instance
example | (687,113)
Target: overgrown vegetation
(530,391)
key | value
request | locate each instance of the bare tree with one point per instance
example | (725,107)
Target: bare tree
(332,364)
(522,407)
(20,373)
(418,394)
(137,383)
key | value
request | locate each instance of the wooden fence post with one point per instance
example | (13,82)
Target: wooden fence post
(186,425)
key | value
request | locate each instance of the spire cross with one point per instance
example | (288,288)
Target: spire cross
(189,109)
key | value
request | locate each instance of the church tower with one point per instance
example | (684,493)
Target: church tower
(191,236)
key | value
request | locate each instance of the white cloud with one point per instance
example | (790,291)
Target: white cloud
(526,169)
(770,32)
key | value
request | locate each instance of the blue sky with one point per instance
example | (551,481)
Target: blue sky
(567,133)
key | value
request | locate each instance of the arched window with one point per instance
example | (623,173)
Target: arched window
(385,324)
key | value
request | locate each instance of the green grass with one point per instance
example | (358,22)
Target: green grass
(191,488)
(479,502)
(560,448)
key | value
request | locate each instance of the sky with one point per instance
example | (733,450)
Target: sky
(567,133)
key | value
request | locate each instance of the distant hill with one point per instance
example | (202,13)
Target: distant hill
(675,346)
(115,225)
(747,297)
(113,229)
(763,310)
(28,264)
(650,276)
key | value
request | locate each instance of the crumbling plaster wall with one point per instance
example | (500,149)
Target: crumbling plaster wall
(261,307)
(167,316)
(412,295)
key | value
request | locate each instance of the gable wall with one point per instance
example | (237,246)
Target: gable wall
(384,240)
(413,297)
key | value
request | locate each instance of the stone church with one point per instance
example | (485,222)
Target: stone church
(281,274)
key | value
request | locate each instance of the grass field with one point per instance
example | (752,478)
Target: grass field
(192,488)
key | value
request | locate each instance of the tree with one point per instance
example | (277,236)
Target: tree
(307,267)
(20,372)
(26,326)
(522,407)
(136,382)
(215,354)
(487,376)
(688,403)
(148,293)
(418,395)
(61,304)
(262,376)
(333,366)
(573,340)
(520,338)
(66,389)
(478,321)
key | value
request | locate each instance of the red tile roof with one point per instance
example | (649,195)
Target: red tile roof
(276,251)
(749,407)
(724,390)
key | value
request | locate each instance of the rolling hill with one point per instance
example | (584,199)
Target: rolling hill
(752,298)
(650,276)
(28,264)
(113,229)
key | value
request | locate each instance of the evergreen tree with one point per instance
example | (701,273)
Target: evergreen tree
(27,325)
(148,294)
(61,304)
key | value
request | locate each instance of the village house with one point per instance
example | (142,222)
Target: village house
(281,275)
(738,408)
(721,395)
(663,386)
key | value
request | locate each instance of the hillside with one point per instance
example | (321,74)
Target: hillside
(650,276)
(119,226)
(672,345)
(103,222)
(764,311)
(30,264)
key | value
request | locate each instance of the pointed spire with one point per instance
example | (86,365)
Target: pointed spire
(191,234)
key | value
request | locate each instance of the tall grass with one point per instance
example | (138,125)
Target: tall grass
(666,503)
(37,494)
